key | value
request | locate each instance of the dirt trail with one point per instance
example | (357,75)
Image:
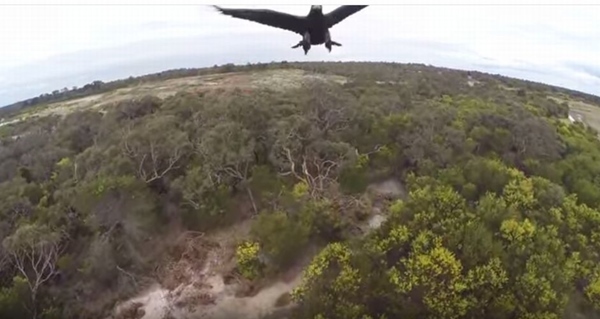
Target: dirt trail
(154,304)
(248,307)
(193,287)
(183,302)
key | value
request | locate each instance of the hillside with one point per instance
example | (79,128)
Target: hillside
(302,190)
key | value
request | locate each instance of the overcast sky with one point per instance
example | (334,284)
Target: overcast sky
(43,48)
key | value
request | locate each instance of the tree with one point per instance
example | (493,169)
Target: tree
(204,203)
(281,236)
(432,273)
(329,108)
(136,108)
(330,287)
(226,151)
(34,249)
(80,130)
(320,166)
(155,148)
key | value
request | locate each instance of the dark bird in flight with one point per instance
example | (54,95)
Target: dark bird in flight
(314,28)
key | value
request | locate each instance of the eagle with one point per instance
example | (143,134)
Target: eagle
(314,28)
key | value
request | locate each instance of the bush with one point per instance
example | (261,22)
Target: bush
(248,263)
(281,237)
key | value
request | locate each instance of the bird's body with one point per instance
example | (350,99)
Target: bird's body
(314,28)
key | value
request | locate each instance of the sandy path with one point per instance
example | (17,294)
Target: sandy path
(249,307)
(159,302)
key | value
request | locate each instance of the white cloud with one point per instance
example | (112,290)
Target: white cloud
(49,47)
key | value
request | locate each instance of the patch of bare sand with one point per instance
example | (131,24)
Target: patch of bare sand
(589,113)
(151,304)
(199,282)
(254,307)
(214,300)
(291,79)
(382,194)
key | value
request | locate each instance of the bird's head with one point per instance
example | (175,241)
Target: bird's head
(316,8)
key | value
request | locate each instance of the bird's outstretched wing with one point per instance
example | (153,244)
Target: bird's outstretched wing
(268,17)
(340,13)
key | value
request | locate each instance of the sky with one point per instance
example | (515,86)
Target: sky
(48,47)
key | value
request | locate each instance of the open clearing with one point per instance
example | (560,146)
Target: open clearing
(272,79)
(589,113)
(196,286)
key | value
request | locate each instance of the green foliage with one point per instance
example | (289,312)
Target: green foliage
(105,184)
(300,190)
(247,259)
(265,182)
(436,273)
(335,298)
(502,264)
(354,179)
(51,313)
(280,236)
(204,203)
(13,299)
(31,237)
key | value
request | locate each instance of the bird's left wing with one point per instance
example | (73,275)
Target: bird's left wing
(268,17)
(340,13)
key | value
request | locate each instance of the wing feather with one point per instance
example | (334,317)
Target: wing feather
(340,13)
(268,17)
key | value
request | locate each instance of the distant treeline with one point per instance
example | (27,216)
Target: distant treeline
(97,87)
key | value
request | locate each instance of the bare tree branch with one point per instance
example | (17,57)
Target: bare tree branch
(318,173)
(128,275)
(152,163)
(34,252)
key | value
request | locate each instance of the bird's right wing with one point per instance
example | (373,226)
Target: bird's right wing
(268,17)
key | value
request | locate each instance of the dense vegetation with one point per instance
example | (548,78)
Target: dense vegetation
(501,219)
